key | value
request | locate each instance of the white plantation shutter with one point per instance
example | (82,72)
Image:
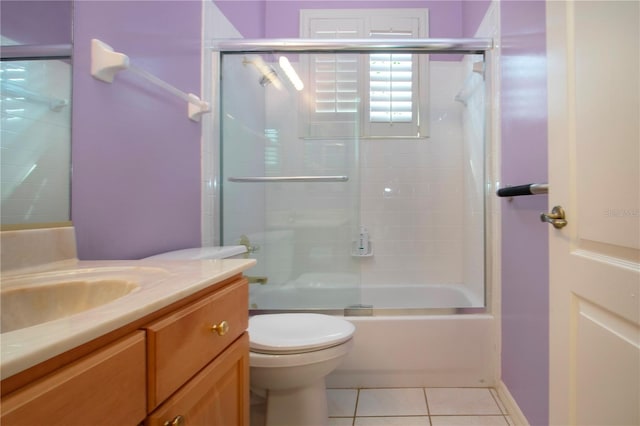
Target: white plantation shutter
(376,95)
(394,83)
(390,88)
(334,81)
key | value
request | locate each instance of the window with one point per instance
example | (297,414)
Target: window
(373,95)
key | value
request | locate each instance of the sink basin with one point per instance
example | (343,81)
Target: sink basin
(38,298)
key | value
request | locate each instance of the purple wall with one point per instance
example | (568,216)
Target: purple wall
(36,22)
(525,265)
(136,155)
(473,12)
(280,18)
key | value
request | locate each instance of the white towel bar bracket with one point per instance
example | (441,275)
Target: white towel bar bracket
(105,64)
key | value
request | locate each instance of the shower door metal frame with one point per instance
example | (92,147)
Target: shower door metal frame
(215,48)
(435,45)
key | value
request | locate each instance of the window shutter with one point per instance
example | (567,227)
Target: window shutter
(371,95)
(334,79)
(393,83)
(390,88)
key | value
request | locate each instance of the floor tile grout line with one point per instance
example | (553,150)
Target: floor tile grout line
(503,412)
(426,401)
(355,409)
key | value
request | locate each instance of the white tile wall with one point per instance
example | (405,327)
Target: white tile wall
(412,195)
(35,143)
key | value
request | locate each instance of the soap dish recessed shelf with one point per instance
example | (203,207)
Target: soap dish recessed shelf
(106,63)
(357,251)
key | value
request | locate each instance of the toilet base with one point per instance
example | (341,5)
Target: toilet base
(305,406)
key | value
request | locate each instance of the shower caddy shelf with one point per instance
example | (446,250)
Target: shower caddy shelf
(105,64)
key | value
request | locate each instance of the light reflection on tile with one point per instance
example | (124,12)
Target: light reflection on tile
(392,421)
(468,421)
(342,402)
(461,401)
(391,402)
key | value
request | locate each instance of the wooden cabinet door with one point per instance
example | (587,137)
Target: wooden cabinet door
(217,396)
(182,343)
(104,388)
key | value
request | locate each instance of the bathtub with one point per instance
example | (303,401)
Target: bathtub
(420,351)
(415,336)
(338,291)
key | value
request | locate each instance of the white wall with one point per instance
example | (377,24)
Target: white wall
(412,195)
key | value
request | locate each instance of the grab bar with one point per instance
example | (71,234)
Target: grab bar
(289,179)
(530,189)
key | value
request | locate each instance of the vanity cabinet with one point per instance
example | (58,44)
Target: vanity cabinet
(107,387)
(217,396)
(186,364)
(206,340)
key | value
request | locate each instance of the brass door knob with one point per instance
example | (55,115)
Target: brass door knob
(177,421)
(221,328)
(556,217)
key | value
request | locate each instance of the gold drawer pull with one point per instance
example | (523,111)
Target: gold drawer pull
(177,421)
(221,328)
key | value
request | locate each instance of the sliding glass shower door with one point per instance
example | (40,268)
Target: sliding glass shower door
(290,186)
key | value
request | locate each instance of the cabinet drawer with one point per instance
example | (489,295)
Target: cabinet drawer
(217,396)
(104,388)
(181,344)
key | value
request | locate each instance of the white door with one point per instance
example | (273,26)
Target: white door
(594,161)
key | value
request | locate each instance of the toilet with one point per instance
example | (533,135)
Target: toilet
(290,354)
(201,253)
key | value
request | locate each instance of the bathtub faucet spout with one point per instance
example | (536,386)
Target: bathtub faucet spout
(257,280)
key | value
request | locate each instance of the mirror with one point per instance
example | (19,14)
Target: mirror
(35,91)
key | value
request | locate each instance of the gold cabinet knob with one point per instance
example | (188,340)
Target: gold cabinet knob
(221,328)
(177,421)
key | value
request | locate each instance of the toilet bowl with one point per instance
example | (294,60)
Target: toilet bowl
(291,354)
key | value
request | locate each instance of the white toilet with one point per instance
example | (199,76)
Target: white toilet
(291,354)
(201,253)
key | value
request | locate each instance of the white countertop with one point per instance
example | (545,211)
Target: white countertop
(161,283)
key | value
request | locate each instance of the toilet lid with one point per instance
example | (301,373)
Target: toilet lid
(201,253)
(296,333)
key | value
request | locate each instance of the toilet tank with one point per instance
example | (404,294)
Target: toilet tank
(201,253)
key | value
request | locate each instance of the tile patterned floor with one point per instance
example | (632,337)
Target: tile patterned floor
(416,407)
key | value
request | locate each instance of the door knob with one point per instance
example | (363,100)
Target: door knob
(556,217)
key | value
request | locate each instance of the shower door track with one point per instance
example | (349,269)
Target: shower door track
(435,45)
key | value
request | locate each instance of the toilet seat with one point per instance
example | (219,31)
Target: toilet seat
(280,334)
(305,359)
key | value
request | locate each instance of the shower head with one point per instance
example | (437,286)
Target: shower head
(268,73)
(271,76)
